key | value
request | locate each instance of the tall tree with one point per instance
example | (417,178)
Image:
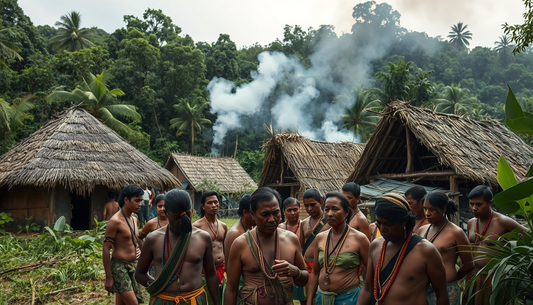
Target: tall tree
(459,36)
(504,47)
(70,36)
(397,81)
(12,116)
(455,100)
(8,50)
(361,118)
(190,117)
(100,101)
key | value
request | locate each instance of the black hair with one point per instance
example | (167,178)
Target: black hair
(353,188)
(111,195)
(129,191)
(263,194)
(392,212)
(312,194)
(481,191)
(244,204)
(204,198)
(178,201)
(345,203)
(418,192)
(286,202)
(157,199)
(440,200)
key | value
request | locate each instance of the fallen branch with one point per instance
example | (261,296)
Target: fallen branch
(32,292)
(61,290)
(36,265)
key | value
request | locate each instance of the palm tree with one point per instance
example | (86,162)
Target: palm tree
(459,36)
(99,101)
(8,50)
(70,37)
(12,116)
(454,100)
(190,118)
(360,118)
(397,82)
(504,48)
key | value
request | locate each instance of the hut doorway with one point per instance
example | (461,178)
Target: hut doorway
(81,212)
(285,193)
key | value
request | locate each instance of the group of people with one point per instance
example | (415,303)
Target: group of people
(409,255)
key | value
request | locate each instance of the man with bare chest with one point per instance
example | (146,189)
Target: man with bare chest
(357,220)
(179,252)
(210,204)
(268,258)
(111,206)
(485,225)
(245,223)
(401,264)
(312,225)
(121,235)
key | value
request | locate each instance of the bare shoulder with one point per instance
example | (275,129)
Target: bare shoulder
(422,230)
(200,233)
(456,230)
(306,221)
(427,248)
(471,223)
(290,236)
(376,244)
(240,241)
(281,225)
(155,235)
(198,223)
(224,225)
(505,221)
(359,236)
(322,235)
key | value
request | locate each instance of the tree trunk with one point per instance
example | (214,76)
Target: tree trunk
(192,137)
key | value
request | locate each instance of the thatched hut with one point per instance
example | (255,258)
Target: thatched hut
(67,167)
(430,148)
(294,163)
(194,172)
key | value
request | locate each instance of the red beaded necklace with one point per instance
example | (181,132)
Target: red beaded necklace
(388,282)
(478,238)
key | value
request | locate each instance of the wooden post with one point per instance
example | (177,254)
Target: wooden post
(52,208)
(378,151)
(410,157)
(454,188)
(236,144)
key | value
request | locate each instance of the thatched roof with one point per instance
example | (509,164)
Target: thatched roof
(77,151)
(324,166)
(227,172)
(467,148)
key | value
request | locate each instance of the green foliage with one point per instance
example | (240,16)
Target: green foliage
(69,36)
(8,50)
(459,36)
(4,218)
(30,226)
(190,117)
(455,100)
(362,117)
(522,34)
(252,162)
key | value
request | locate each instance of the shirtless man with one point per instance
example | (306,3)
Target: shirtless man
(121,235)
(245,223)
(415,197)
(357,220)
(312,225)
(401,264)
(450,241)
(269,258)
(111,206)
(490,225)
(179,252)
(210,204)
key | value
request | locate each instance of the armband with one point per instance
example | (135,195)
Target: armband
(109,239)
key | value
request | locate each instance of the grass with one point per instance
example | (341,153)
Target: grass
(229,221)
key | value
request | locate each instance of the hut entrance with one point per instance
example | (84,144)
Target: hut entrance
(285,192)
(81,212)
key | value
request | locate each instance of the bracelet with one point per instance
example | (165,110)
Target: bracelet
(299,274)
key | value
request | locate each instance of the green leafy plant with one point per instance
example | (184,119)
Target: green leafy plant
(4,218)
(30,226)
(510,268)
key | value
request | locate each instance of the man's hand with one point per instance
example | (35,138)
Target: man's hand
(109,283)
(284,268)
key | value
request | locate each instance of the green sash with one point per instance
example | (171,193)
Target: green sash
(171,266)
(280,294)
(311,238)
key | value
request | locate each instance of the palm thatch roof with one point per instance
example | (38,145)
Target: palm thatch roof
(452,145)
(227,172)
(77,151)
(292,158)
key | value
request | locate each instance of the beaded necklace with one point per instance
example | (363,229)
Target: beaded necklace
(287,226)
(478,238)
(261,256)
(167,243)
(392,276)
(436,234)
(316,224)
(132,231)
(338,248)
(215,233)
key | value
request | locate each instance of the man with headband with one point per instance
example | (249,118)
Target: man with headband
(401,265)
(180,252)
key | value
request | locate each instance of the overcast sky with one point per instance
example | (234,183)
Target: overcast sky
(250,21)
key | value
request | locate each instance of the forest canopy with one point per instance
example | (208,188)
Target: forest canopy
(163,91)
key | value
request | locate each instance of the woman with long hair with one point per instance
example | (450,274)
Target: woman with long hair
(339,253)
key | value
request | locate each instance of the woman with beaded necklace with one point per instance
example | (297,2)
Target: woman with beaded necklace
(449,239)
(340,251)
(401,264)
